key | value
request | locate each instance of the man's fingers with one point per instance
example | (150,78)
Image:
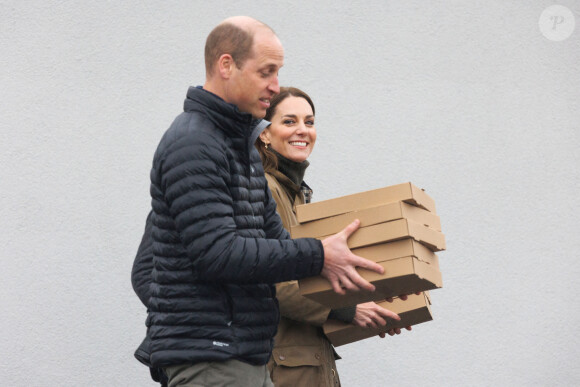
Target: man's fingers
(339,290)
(348,230)
(347,284)
(368,264)
(360,282)
(336,285)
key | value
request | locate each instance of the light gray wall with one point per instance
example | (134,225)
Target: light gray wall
(466,99)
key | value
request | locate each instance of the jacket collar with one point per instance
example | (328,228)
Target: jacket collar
(224,115)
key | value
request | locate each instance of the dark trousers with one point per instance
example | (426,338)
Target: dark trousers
(218,374)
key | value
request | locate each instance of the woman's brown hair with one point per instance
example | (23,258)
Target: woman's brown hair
(269,159)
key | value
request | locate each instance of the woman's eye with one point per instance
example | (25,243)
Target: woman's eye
(310,123)
(288,122)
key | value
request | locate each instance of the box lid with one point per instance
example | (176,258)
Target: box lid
(368,217)
(401,192)
(396,230)
(397,249)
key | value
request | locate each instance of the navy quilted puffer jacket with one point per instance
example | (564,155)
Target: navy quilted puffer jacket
(218,243)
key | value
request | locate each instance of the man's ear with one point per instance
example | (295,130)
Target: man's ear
(226,65)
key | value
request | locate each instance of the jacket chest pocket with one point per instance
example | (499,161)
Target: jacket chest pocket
(298,356)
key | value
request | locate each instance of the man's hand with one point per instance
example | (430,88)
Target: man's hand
(371,315)
(340,262)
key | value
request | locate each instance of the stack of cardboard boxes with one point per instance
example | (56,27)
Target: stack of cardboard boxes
(400,231)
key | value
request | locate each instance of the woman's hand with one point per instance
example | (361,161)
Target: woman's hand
(371,315)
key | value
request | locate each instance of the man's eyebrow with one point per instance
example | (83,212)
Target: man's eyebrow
(270,66)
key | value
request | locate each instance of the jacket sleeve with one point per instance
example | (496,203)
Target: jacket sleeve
(272,222)
(196,184)
(292,304)
(143,264)
(298,308)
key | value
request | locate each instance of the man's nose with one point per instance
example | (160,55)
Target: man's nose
(275,85)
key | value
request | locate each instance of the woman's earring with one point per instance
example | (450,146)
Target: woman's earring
(266,145)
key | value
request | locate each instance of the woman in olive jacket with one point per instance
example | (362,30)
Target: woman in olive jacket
(302,354)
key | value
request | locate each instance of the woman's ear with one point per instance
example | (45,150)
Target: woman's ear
(265,136)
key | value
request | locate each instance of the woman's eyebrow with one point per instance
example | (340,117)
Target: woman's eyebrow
(295,116)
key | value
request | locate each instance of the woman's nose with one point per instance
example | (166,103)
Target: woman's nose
(301,128)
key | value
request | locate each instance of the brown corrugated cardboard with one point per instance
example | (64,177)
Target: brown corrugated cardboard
(401,192)
(405,275)
(415,310)
(395,230)
(368,217)
(398,249)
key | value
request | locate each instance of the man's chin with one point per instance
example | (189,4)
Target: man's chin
(259,114)
(256,111)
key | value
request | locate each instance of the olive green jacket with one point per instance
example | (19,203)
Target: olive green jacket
(302,354)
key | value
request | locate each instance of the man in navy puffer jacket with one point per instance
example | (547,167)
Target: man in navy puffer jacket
(217,243)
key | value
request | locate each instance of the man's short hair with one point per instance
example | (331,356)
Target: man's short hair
(228,38)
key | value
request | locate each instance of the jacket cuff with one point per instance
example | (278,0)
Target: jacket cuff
(346,315)
(319,260)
